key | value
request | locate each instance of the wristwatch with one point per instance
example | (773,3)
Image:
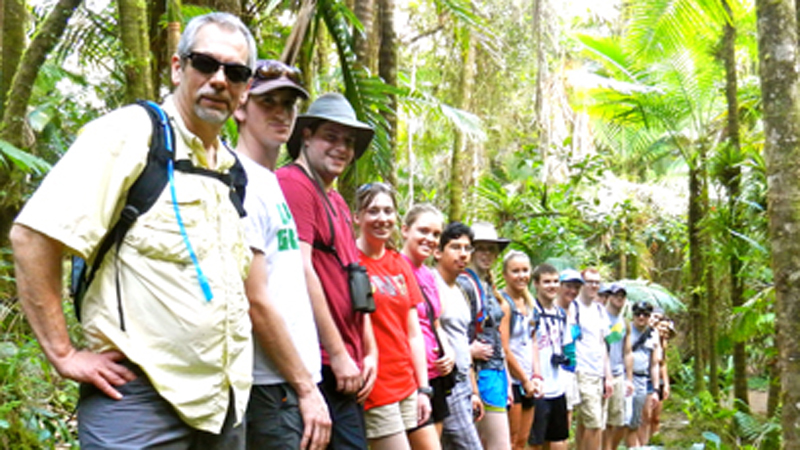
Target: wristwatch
(426,391)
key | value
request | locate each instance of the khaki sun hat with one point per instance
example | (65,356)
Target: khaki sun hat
(332,107)
(485,232)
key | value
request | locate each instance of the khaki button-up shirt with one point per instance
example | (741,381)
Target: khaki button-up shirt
(195,352)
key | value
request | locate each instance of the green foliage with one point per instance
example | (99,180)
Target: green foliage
(37,405)
(22,159)
(718,426)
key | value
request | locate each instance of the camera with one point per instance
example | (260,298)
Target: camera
(559,360)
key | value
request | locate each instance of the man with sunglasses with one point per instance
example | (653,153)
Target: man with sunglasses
(645,349)
(286,408)
(169,353)
(325,140)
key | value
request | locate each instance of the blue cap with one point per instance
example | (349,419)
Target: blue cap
(616,288)
(605,289)
(568,275)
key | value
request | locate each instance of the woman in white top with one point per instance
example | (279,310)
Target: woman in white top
(522,353)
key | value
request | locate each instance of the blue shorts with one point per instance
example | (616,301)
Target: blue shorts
(493,387)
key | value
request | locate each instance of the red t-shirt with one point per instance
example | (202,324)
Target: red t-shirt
(396,292)
(308,208)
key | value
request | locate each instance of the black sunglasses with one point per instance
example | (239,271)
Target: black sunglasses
(272,70)
(208,65)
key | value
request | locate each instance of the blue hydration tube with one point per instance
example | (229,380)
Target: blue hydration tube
(171,173)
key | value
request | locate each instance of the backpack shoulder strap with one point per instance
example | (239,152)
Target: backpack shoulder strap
(641,339)
(235,178)
(515,313)
(141,196)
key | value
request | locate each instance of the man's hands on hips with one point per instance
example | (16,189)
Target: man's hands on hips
(100,369)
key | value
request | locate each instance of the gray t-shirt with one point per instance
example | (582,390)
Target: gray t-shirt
(455,321)
(641,358)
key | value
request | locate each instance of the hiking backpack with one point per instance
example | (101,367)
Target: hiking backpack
(143,193)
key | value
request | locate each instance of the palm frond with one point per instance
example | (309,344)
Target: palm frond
(21,159)
(368,94)
(93,38)
(660,27)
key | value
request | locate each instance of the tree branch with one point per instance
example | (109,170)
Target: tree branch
(424,34)
(21,87)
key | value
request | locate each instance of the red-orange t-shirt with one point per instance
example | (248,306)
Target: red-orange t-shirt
(396,292)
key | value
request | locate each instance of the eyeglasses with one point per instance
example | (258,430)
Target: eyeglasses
(208,65)
(593,283)
(642,313)
(272,70)
(468,249)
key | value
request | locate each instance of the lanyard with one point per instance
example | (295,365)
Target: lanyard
(544,318)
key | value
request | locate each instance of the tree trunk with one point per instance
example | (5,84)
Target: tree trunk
(296,39)
(696,264)
(2,14)
(13,122)
(158,37)
(365,11)
(387,69)
(460,156)
(14,15)
(133,35)
(708,282)
(777,51)
(732,182)
(173,32)
(774,393)
(539,36)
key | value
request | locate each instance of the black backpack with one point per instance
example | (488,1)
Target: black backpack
(143,194)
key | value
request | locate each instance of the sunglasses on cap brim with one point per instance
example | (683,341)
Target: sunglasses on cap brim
(272,70)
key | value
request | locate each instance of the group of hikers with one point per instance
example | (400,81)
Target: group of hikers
(228,314)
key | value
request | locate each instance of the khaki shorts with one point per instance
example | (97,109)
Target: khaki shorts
(590,409)
(614,406)
(393,418)
(570,388)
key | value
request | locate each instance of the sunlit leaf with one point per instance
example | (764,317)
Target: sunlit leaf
(22,159)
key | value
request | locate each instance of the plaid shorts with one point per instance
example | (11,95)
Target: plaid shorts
(459,427)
